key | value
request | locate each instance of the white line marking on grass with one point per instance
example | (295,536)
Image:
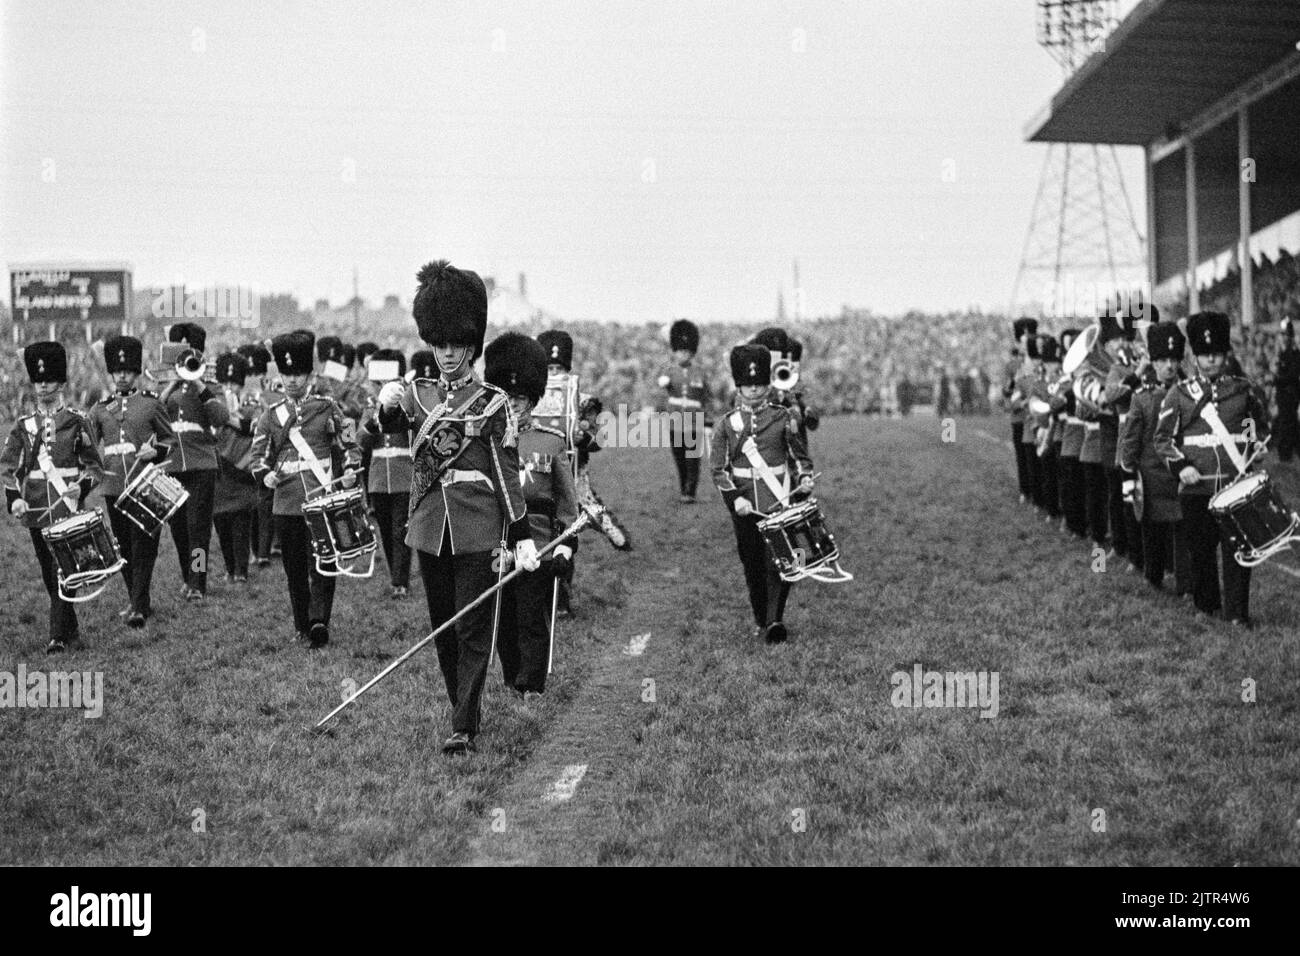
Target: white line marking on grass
(636,646)
(564,788)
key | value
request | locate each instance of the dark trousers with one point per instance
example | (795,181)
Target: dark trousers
(233,529)
(192,526)
(1164,549)
(1022,458)
(140,551)
(524,635)
(1116,509)
(311,594)
(263,524)
(1094,501)
(688,466)
(390,515)
(1072,506)
(451,582)
(1206,546)
(1133,538)
(63,614)
(1286,429)
(767,592)
(1049,481)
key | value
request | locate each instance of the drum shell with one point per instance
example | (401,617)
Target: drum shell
(151,498)
(81,546)
(798,530)
(1253,522)
(339,526)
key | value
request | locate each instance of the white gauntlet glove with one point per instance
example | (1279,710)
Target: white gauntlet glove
(742,507)
(391,394)
(526,555)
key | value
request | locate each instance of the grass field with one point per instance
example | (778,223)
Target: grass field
(1111,698)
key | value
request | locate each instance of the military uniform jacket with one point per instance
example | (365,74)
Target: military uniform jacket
(1117,395)
(196,412)
(1027,379)
(236,486)
(1073,429)
(1089,392)
(776,433)
(546,481)
(390,454)
(73,454)
(476,500)
(1138,454)
(687,393)
(120,426)
(327,431)
(1010,372)
(1183,438)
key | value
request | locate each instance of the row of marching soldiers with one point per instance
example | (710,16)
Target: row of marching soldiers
(227,437)
(1113,440)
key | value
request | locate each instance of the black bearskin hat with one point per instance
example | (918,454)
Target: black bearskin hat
(451,306)
(46,362)
(188,332)
(516,364)
(684,334)
(124,353)
(559,347)
(293,352)
(751,364)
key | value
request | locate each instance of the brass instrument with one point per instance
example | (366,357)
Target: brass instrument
(180,363)
(785,375)
(1087,355)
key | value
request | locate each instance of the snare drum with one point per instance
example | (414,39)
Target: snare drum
(341,532)
(800,546)
(1254,519)
(151,498)
(85,554)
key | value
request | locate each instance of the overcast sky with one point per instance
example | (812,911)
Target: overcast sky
(637,161)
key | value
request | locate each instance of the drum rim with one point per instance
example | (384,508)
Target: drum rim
(80,518)
(1257,479)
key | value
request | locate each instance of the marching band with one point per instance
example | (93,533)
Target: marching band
(349,449)
(1156,439)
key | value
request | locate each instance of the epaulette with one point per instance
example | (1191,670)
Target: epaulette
(149,393)
(277,403)
(550,431)
(495,388)
(79,412)
(107,399)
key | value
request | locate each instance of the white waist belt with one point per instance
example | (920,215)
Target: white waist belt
(1092,426)
(391,451)
(1072,420)
(293,467)
(187,427)
(1210,441)
(455,476)
(121,448)
(749,472)
(36,473)
(685,402)
(1123,417)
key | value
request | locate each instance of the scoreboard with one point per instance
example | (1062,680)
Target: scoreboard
(48,296)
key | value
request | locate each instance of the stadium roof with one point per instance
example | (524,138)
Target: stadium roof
(1165,63)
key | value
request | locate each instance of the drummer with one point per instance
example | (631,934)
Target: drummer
(755,479)
(1204,459)
(294,445)
(130,426)
(49,465)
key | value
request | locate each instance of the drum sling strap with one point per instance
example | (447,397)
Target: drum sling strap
(309,456)
(779,490)
(1210,415)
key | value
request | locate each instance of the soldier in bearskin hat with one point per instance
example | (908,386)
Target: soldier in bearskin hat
(237,490)
(261,533)
(130,426)
(297,444)
(1209,426)
(1070,472)
(467,506)
(1028,378)
(388,478)
(754,487)
(196,413)
(1151,491)
(686,397)
(49,465)
(517,365)
(1022,330)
